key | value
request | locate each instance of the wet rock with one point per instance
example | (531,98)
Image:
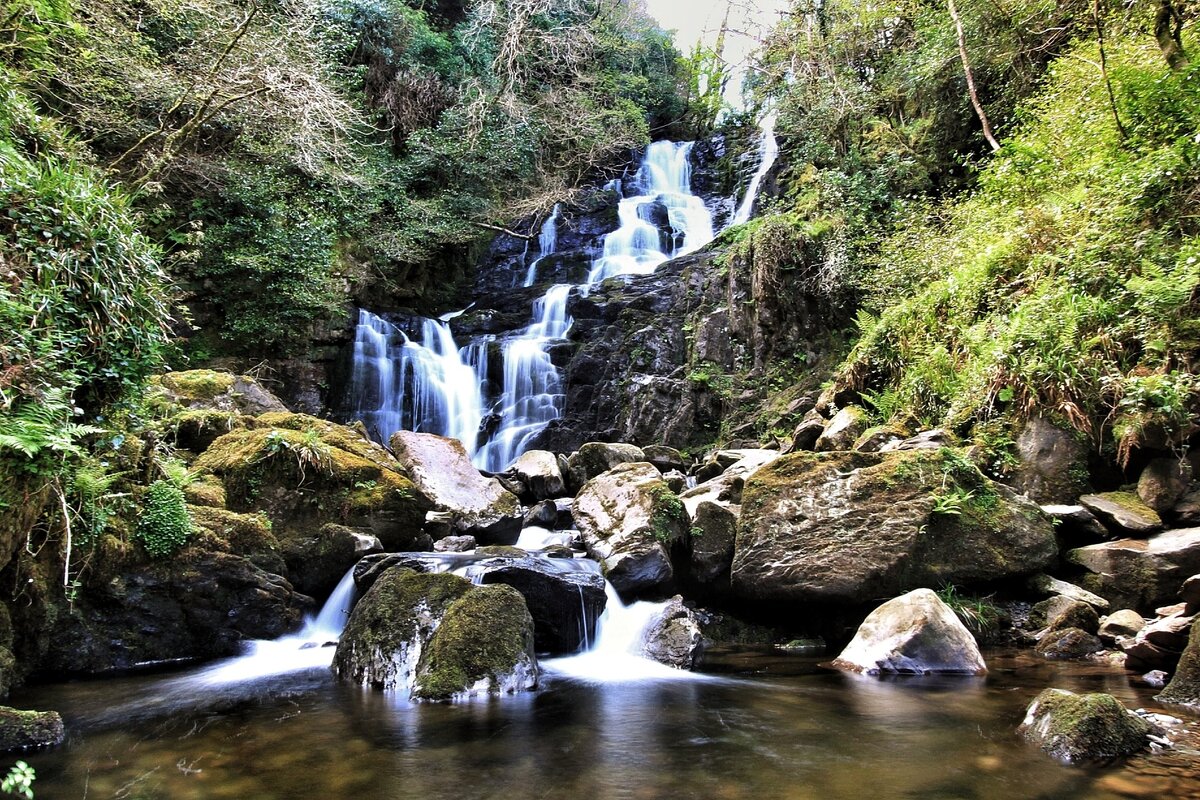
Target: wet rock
(1123,512)
(849,527)
(368,569)
(673,637)
(1079,728)
(842,431)
(1046,585)
(1123,624)
(542,515)
(1184,687)
(455,544)
(1163,483)
(596,458)
(714,529)
(630,521)
(726,486)
(29,730)
(316,563)
(441,470)
(747,460)
(1052,463)
(1155,678)
(1068,643)
(564,601)
(538,471)
(1140,573)
(1061,612)
(913,633)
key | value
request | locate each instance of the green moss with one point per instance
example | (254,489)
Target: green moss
(164,525)
(206,490)
(388,615)
(243,534)
(1086,727)
(668,516)
(484,634)
(25,730)
(501,550)
(198,384)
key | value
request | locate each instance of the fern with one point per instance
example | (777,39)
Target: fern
(34,429)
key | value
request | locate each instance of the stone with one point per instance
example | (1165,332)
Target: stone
(1155,678)
(1169,632)
(843,429)
(676,480)
(368,569)
(454,544)
(1141,574)
(1068,643)
(213,390)
(878,438)
(1123,512)
(1187,510)
(316,563)
(726,486)
(441,470)
(542,515)
(1163,483)
(714,530)
(1061,612)
(1077,728)
(630,522)
(806,432)
(1051,463)
(596,458)
(673,637)
(665,458)
(1078,523)
(538,471)
(1046,585)
(935,439)
(1140,653)
(1190,594)
(914,633)
(849,527)
(1123,624)
(29,730)
(563,600)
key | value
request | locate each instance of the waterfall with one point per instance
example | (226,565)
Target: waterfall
(547,243)
(636,247)
(768,151)
(331,621)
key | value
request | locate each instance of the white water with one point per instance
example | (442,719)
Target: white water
(547,244)
(768,151)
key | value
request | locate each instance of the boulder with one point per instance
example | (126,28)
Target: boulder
(1163,483)
(806,432)
(1077,524)
(630,521)
(1077,728)
(878,438)
(316,563)
(665,458)
(914,633)
(1123,624)
(851,527)
(1068,643)
(1051,463)
(538,471)
(1140,573)
(1061,612)
(1123,512)
(29,730)
(596,458)
(213,390)
(542,515)
(935,439)
(454,544)
(714,530)
(441,470)
(842,431)
(1045,585)
(368,569)
(1187,510)
(673,637)
(1184,687)
(564,600)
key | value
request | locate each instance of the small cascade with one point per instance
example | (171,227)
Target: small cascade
(547,243)
(331,621)
(768,151)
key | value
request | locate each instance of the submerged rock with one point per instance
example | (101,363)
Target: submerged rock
(1092,727)
(29,730)
(915,633)
(674,637)
(849,527)
(440,468)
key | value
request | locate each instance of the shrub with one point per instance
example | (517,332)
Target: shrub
(165,525)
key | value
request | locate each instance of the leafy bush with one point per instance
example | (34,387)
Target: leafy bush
(164,525)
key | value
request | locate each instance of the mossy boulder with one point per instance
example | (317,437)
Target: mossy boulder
(214,390)
(1141,574)
(850,527)
(442,471)
(631,522)
(916,633)
(1058,612)
(1124,513)
(29,730)
(1067,643)
(843,429)
(1077,728)
(316,562)
(247,535)
(1184,687)
(596,458)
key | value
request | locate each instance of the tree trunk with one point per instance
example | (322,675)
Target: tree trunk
(1168,23)
(966,62)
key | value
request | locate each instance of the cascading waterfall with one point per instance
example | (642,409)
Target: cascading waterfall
(434,387)
(768,151)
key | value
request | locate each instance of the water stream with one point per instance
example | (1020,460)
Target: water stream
(768,151)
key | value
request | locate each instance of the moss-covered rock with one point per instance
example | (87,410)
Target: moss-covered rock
(1079,728)
(1068,643)
(1184,687)
(1059,612)
(315,563)
(844,429)
(212,389)
(596,458)
(1123,512)
(483,646)
(246,535)
(1141,574)
(1051,463)
(850,527)
(206,490)
(29,730)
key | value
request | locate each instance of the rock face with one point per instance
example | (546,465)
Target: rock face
(1052,463)
(564,602)
(1184,687)
(29,730)
(316,563)
(1078,728)
(674,637)
(1141,574)
(852,527)
(441,470)
(631,521)
(916,633)
(437,637)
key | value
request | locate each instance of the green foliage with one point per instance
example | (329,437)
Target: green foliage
(668,516)
(980,615)
(164,525)
(19,780)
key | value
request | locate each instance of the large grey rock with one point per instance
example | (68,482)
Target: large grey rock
(1052,463)
(925,440)
(1140,573)
(674,637)
(1051,587)
(713,532)
(564,600)
(455,544)
(630,521)
(913,633)
(851,527)
(1077,728)
(538,471)
(596,458)
(1163,482)
(846,426)
(1123,512)
(441,470)
(665,458)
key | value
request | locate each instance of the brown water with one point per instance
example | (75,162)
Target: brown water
(765,725)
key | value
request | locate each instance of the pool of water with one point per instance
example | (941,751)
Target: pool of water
(759,725)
